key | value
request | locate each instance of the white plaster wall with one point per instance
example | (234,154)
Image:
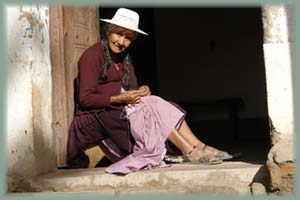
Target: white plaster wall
(278,40)
(279,87)
(29,134)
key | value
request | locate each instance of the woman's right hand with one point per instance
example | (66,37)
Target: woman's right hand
(127,97)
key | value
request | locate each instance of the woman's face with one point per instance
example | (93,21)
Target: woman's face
(120,39)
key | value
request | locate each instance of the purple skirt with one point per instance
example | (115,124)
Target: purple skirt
(151,122)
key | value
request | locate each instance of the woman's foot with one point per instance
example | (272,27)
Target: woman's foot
(196,155)
(223,155)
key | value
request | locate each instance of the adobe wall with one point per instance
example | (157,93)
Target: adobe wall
(30,149)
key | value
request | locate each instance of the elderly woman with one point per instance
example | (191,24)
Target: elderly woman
(107,93)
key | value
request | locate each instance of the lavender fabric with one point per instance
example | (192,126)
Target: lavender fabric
(151,123)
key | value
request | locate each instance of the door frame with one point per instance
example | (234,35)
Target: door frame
(60,36)
(59,95)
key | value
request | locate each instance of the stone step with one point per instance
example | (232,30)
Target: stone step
(225,178)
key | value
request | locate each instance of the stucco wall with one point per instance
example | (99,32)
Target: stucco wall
(29,133)
(278,40)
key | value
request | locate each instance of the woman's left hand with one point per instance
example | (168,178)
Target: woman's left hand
(145,90)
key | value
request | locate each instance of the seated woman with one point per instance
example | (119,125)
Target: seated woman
(124,119)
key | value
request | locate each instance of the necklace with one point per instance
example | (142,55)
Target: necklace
(116,66)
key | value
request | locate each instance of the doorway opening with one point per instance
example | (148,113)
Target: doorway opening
(209,61)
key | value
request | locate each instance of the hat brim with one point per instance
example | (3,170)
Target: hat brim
(122,25)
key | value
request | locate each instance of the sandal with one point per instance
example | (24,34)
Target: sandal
(223,155)
(205,159)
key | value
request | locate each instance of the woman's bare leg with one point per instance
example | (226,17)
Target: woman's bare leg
(186,133)
(189,136)
(185,146)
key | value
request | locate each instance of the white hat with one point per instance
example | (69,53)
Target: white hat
(126,18)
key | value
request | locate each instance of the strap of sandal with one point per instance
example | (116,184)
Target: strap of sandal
(191,151)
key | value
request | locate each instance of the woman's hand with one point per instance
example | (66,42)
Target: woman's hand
(128,97)
(144,90)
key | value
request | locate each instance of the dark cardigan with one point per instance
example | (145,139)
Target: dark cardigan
(96,121)
(92,92)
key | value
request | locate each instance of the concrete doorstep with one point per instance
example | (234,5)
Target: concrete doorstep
(226,178)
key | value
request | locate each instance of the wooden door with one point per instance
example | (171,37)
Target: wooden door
(72,30)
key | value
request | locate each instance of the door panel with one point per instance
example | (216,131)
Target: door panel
(78,37)
(72,30)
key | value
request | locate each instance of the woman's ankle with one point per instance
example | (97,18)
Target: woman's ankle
(200,145)
(195,153)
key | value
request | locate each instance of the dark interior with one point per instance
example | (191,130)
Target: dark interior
(209,61)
